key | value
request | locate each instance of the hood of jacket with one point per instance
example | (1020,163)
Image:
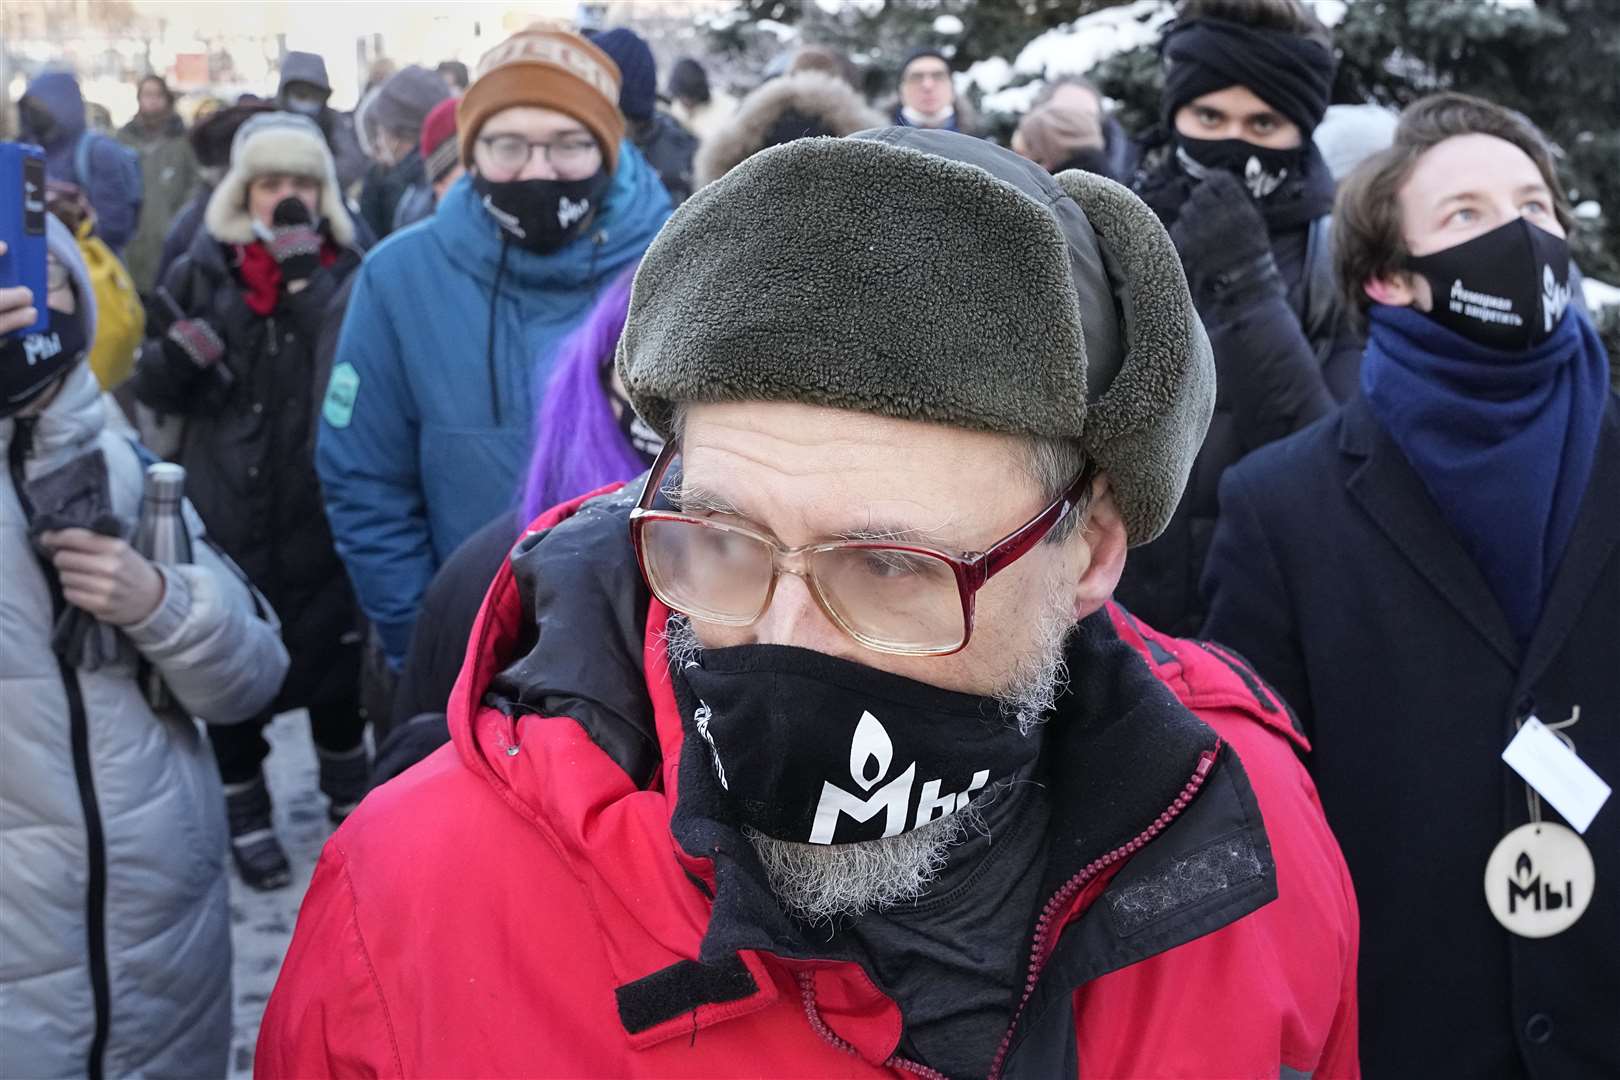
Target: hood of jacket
(828,103)
(634,207)
(70,423)
(58,92)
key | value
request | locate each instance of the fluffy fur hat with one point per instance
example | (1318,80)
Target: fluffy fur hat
(926,275)
(791,107)
(275,142)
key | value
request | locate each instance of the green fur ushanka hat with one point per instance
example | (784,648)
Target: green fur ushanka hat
(926,275)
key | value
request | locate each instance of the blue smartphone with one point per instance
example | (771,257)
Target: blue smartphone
(22,224)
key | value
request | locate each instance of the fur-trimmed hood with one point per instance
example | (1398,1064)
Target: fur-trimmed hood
(275,142)
(828,105)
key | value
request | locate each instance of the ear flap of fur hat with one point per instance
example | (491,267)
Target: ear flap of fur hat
(1148,425)
(869,275)
(277,142)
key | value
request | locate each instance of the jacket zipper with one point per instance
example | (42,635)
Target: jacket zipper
(79,733)
(807,990)
(1039,953)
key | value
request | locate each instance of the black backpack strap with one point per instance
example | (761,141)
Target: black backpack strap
(1320,308)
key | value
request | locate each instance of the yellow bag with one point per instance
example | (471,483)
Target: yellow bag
(120,318)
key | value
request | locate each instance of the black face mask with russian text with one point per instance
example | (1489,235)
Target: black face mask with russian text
(544,215)
(814,749)
(1506,289)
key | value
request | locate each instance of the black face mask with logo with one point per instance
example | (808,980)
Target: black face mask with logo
(1506,289)
(1262,169)
(813,749)
(30,364)
(543,215)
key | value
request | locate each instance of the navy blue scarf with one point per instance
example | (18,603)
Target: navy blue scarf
(1504,441)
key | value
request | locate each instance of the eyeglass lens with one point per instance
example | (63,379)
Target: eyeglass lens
(888,598)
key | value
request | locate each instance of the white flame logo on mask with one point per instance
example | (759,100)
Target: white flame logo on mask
(1554,299)
(571,210)
(871,752)
(1260,182)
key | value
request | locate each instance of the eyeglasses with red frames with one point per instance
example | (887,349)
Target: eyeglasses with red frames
(904,599)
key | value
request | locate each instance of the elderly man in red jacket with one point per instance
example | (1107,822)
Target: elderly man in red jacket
(819,751)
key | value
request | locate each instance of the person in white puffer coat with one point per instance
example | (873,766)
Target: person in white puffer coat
(115,950)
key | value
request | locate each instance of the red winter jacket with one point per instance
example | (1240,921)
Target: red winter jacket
(545,897)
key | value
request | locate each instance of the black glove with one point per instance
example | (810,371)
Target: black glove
(192,346)
(294,242)
(1224,246)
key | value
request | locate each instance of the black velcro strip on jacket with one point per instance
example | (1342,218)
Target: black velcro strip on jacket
(680,988)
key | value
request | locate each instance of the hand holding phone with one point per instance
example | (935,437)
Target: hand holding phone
(22,239)
(17,310)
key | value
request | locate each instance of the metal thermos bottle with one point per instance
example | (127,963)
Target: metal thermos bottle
(161,535)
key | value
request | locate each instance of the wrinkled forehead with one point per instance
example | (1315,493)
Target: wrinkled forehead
(808,472)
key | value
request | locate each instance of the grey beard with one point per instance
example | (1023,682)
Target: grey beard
(821,883)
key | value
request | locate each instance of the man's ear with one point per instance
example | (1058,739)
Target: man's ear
(1394,289)
(1104,538)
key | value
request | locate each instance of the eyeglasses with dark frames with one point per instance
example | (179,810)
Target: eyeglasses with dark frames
(898,598)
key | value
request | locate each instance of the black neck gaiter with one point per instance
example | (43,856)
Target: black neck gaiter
(813,749)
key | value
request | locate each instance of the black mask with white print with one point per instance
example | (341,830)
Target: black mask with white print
(814,749)
(1262,169)
(30,364)
(638,435)
(543,215)
(1506,289)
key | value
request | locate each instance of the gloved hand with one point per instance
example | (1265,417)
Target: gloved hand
(1224,246)
(193,346)
(293,240)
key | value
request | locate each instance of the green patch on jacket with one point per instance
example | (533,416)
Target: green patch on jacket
(341,394)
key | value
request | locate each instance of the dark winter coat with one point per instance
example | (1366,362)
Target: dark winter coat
(669,149)
(1334,572)
(168,180)
(181,232)
(385,186)
(249,457)
(1279,365)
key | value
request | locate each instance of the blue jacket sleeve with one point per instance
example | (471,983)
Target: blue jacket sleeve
(367,458)
(118,209)
(1246,591)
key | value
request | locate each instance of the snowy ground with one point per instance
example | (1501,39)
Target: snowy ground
(262,923)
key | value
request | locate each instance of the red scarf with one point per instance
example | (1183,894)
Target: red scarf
(261,274)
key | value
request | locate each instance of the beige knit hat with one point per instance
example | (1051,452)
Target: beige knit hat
(550,66)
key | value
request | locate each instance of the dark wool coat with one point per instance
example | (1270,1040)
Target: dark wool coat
(249,457)
(1279,365)
(1334,573)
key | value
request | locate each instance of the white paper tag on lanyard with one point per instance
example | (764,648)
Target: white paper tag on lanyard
(1557,774)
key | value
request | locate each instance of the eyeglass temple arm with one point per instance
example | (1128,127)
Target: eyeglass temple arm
(1032,532)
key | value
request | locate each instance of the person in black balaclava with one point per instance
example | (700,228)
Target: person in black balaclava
(1246,197)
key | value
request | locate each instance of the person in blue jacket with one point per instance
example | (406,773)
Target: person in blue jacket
(427,421)
(51,113)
